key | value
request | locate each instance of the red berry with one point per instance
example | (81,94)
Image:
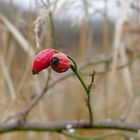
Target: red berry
(60,62)
(42,60)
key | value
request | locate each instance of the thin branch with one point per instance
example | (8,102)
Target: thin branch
(74,63)
(87,88)
(88,96)
(79,77)
(19,37)
(8,79)
(105,61)
(87,92)
(36,99)
(129,106)
(92,81)
(60,126)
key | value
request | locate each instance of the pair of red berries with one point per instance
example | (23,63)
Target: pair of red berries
(50,57)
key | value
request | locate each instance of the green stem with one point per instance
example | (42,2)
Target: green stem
(89,108)
(74,63)
(79,77)
(89,96)
(87,89)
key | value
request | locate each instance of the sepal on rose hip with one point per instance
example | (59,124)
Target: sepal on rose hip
(42,60)
(60,62)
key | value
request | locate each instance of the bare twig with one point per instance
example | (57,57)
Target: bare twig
(92,80)
(19,37)
(8,79)
(129,106)
(60,126)
(88,96)
(36,99)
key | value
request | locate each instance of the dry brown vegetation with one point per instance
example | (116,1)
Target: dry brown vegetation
(115,94)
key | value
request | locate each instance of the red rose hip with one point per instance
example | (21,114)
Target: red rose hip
(42,60)
(60,62)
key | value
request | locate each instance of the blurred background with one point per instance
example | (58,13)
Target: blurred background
(104,34)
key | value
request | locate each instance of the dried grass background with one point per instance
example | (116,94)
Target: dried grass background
(116,92)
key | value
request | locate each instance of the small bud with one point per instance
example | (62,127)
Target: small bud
(42,60)
(60,62)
